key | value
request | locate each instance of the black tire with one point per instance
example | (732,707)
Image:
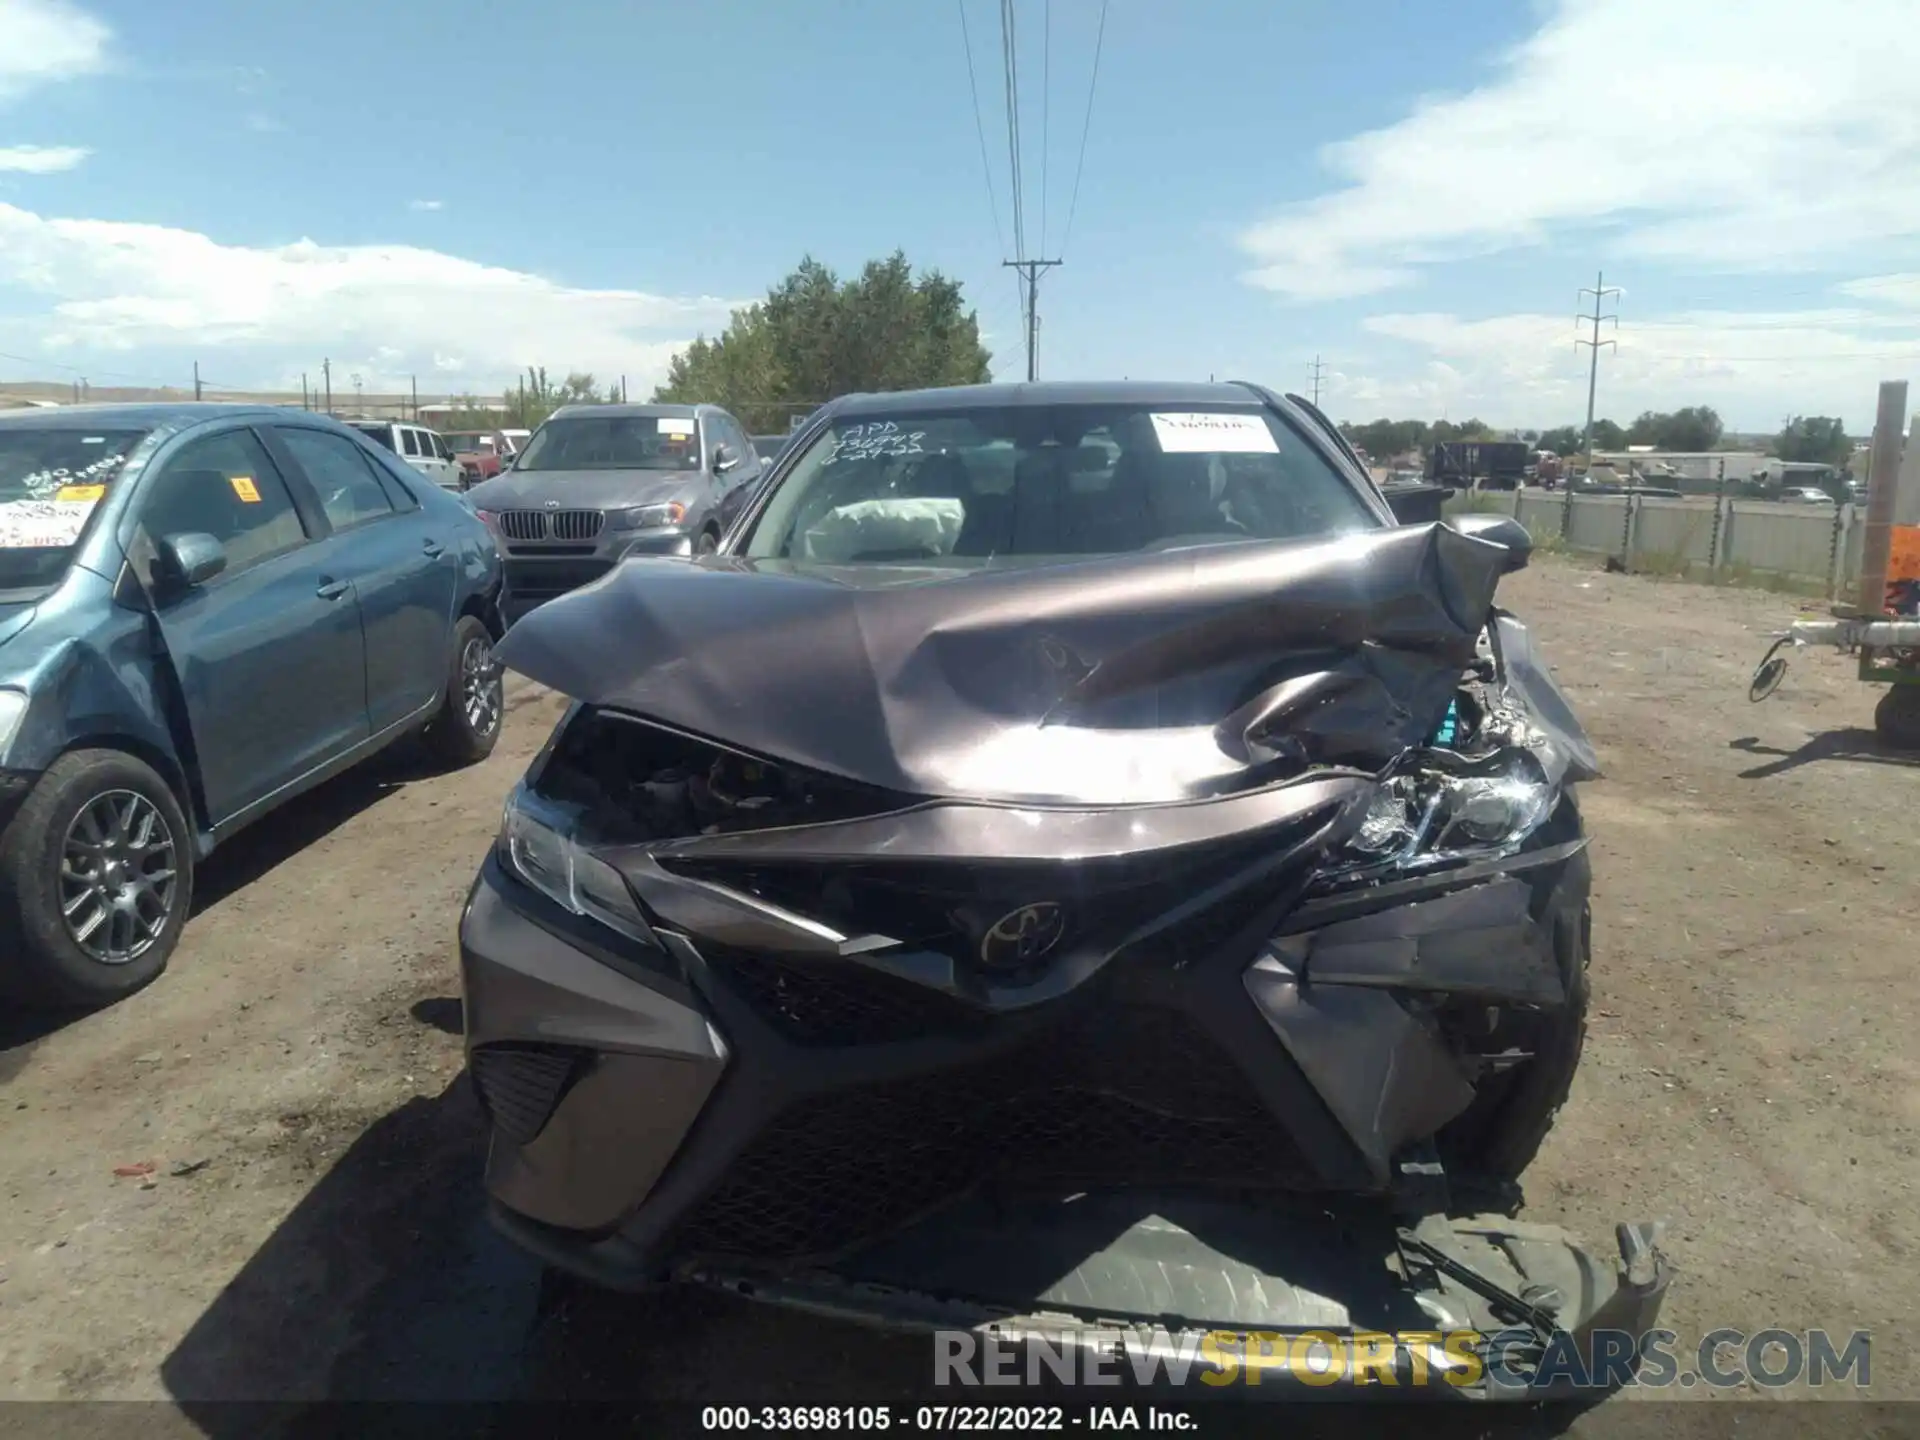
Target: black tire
(468,725)
(707,542)
(42,962)
(1897,717)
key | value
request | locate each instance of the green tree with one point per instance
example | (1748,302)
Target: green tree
(1608,436)
(1562,440)
(1697,427)
(816,336)
(1814,440)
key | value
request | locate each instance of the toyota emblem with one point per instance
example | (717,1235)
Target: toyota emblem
(1024,936)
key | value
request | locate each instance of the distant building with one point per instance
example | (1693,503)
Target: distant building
(437,411)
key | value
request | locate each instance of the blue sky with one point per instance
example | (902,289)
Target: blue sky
(1414,192)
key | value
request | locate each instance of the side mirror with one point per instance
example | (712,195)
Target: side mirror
(1501,530)
(724,459)
(184,561)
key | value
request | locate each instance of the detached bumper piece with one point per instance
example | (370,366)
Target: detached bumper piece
(1202,1294)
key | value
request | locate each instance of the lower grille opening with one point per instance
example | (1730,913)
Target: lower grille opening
(520,1086)
(830,1001)
(1122,1095)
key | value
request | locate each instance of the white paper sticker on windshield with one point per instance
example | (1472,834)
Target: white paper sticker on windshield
(1199,433)
(674,425)
(42,524)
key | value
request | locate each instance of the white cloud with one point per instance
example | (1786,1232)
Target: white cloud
(40,159)
(388,311)
(1733,134)
(1754,367)
(42,41)
(425,204)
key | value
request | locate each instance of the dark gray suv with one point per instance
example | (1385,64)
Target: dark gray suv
(598,483)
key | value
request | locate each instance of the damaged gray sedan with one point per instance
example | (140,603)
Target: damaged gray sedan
(1070,859)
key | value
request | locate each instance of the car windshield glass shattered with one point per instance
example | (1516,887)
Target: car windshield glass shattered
(50,481)
(614,442)
(966,486)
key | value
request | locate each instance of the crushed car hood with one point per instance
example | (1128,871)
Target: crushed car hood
(1137,679)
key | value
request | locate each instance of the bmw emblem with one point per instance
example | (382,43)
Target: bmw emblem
(553,504)
(1022,937)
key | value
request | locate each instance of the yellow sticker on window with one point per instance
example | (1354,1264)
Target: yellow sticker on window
(243,486)
(86,494)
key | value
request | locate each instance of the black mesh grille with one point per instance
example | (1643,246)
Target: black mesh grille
(521,1084)
(551,524)
(1123,1095)
(837,1002)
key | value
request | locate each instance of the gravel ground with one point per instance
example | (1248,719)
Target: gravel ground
(311,1225)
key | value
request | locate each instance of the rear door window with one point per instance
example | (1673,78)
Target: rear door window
(409,441)
(349,491)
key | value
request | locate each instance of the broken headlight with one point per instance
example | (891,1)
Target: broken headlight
(1438,807)
(540,843)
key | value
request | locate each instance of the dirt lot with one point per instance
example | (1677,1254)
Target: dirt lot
(1752,1074)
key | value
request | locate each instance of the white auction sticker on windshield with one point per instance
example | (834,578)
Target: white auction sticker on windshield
(1201,433)
(674,425)
(42,524)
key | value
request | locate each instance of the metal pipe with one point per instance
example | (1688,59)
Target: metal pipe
(1883,486)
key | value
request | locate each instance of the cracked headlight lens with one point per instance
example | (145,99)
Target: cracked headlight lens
(539,843)
(1441,808)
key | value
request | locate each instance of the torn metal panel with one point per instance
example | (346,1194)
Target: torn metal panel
(1383,1072)
(1480,941)
(1122,680)
(1533,709)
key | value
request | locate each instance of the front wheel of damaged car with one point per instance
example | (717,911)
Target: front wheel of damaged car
(468,725)
(96,879)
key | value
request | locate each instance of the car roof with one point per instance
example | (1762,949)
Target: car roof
(1050,392)
(144,414)
(681,412)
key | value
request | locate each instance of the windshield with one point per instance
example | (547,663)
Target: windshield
(50,480)
(470,442)
(613,442)
(967,486)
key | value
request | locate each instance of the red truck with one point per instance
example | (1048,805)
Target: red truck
(480,454)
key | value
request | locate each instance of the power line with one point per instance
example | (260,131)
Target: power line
(1318,370)
(1046,110)
(1009,43)
(1030,271)
(1080,165)
(1600,291)
(980,130)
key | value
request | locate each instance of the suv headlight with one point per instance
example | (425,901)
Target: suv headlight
(651,517)
(1441,808)
(539,841)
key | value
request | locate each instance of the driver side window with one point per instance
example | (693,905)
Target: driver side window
(225,486)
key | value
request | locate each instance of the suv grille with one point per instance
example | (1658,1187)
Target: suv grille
(551,524)
(1124,1094)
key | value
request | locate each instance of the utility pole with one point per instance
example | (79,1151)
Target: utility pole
(196,379)
(1030,272)
(414,381)
(1600,291)
(623,389)
(326,374)
(358,403)
(1318,370)
(305,403)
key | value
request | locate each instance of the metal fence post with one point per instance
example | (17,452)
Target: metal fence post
(1837,550)
(1719,505)
(1626,532)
